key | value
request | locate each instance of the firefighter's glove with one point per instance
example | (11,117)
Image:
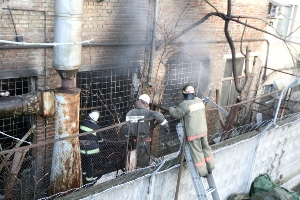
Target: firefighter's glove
(165,126)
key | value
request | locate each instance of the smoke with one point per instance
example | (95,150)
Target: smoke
(189,49)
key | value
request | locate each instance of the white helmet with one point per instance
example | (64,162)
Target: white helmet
(188,90)
(94,115)
(145,98)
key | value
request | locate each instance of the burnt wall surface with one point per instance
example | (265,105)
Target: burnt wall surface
(109,91)
(120,30)
(118,26)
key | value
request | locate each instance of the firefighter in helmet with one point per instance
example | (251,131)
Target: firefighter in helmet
(192,110)
(89,147)
(141,111)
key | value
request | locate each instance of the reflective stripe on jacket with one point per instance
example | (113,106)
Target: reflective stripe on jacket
(193,114)
(141,112)
(89,152)
(87,129)
(89,144)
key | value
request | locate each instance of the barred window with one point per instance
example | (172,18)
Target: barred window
(15,126)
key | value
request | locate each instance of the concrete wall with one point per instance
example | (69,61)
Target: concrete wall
(278,154)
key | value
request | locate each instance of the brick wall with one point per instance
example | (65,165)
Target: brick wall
(211,30)
(111,22)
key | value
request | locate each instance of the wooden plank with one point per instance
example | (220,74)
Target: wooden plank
(7,157)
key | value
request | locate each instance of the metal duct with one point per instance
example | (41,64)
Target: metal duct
(39,103)
(67,28)
(66,165)
(19,105)
(152,52)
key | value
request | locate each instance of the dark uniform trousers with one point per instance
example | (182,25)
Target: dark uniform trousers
(88,162)
(90,151)
(143,151)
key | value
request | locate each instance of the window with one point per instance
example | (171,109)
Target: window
(109,91)
(273,11)
(286,20)
(286,15)
(15,126)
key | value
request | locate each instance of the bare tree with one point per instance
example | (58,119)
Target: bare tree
(169,49)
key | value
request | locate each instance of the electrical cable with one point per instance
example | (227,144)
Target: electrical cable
(46,44)
(13,21)
(14,138)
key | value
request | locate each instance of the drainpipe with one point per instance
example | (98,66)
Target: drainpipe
(152,52)
(66,165)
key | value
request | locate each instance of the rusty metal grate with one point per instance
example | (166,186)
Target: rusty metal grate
(179,74)
(108,91)
(14,129)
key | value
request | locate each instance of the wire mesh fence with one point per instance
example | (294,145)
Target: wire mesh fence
(270,107)
(25,175)
(23,178)
(27,172)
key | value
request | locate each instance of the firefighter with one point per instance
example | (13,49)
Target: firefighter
(141,111)
(192,110)
(89,147)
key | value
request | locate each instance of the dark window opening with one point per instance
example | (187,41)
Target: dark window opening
(108,91)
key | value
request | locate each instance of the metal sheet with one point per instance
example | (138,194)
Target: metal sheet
(68,28)
(48,99)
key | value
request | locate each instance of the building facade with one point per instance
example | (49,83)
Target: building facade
(135,46)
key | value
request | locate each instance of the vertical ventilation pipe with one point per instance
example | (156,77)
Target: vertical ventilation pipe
(66,165)
(152,52)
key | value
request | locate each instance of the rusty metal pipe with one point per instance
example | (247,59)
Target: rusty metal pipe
(68,83)
(19,105)
(66,166)
(152,52)
(66,163)
(39,103)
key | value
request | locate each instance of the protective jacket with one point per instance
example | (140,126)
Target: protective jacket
(89,144)
(90,151)
(193,114)
(141,111)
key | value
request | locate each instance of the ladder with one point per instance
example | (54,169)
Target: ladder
(205,186)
